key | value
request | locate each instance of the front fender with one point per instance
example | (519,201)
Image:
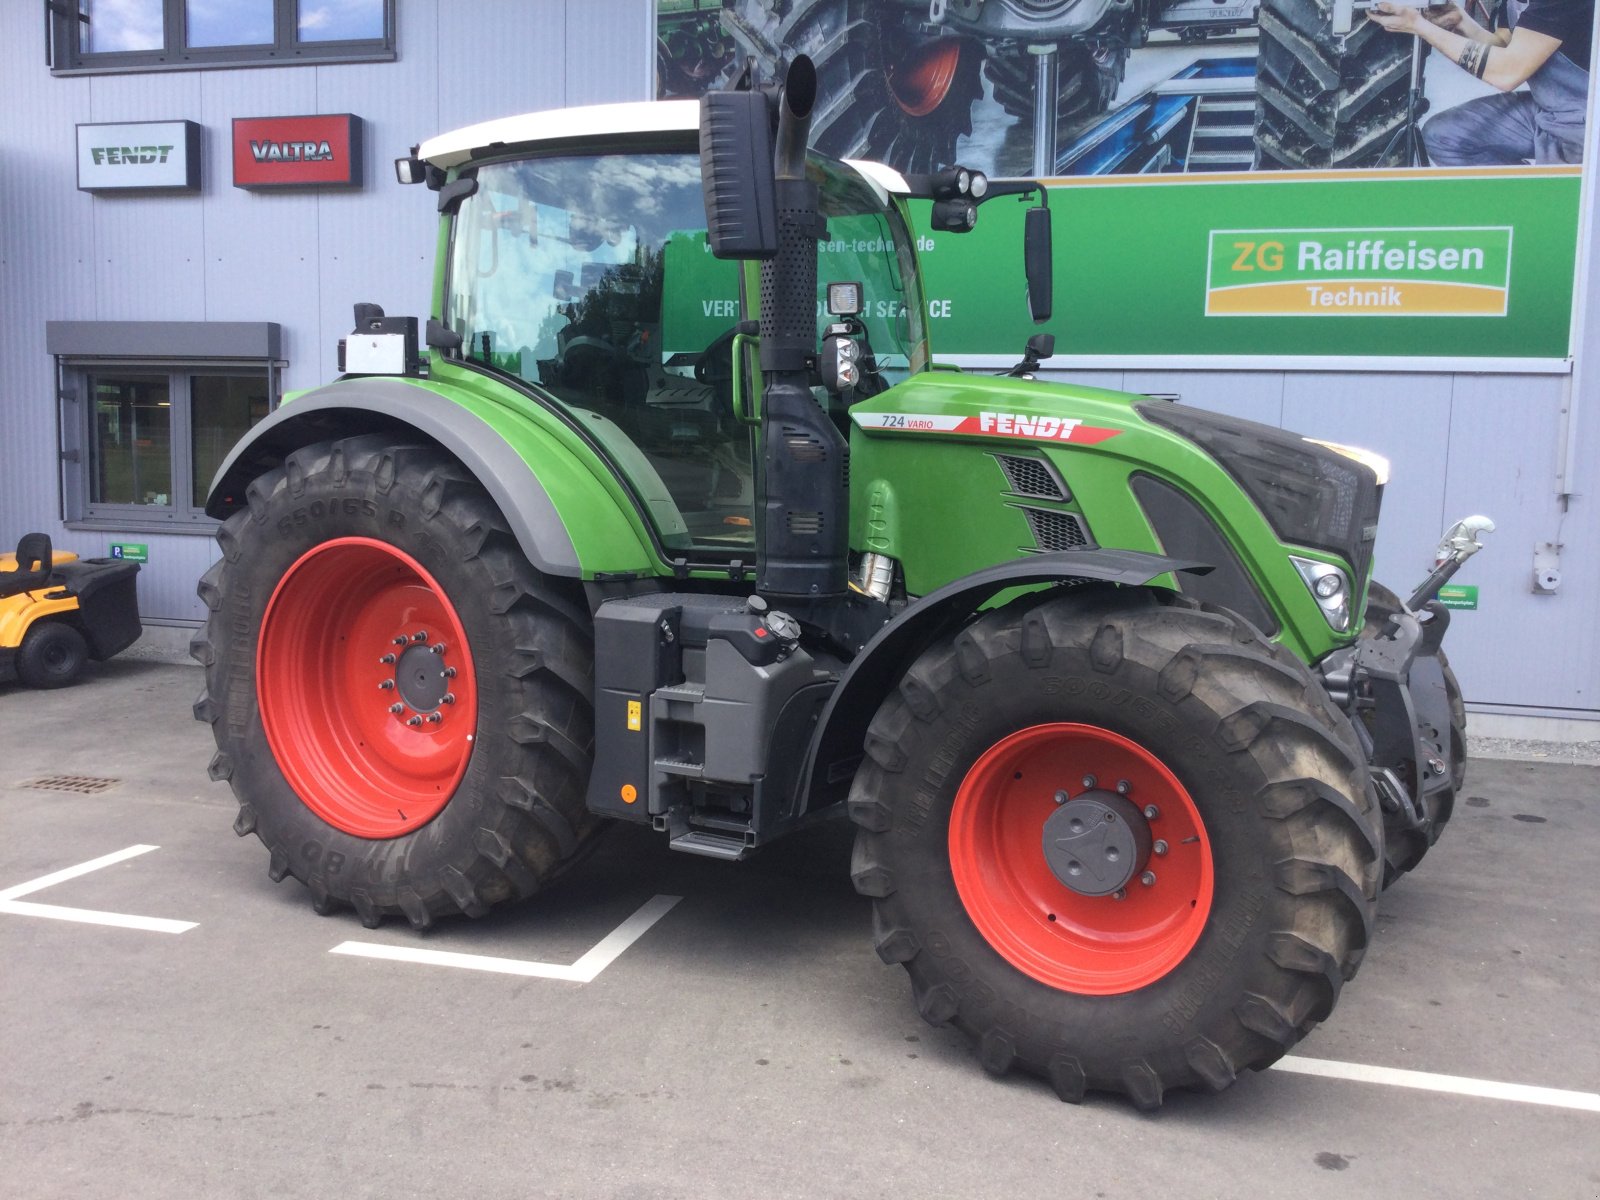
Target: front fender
(836,747)
(544,486)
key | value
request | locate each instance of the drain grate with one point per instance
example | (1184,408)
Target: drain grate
(85,785)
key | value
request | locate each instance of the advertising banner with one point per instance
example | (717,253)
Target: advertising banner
(139,156)
(1281,178)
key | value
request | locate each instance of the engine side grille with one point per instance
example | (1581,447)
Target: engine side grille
(1056,530)
(1032,477)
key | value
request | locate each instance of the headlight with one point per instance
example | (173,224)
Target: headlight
(1377,463)
(1330,587)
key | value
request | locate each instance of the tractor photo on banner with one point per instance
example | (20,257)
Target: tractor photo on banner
(1162,86)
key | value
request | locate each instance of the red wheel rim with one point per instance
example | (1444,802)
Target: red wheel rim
(371,724)
(922,80)
(1091,945)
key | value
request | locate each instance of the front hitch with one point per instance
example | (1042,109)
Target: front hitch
(1392,683)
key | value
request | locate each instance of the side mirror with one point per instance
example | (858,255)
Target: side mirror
(1037,263)
(736,172)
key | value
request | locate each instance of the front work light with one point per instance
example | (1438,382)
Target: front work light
(1329,587)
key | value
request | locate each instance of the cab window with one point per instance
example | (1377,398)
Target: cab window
(591,277)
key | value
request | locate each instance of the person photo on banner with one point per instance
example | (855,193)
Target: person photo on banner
(1544,44)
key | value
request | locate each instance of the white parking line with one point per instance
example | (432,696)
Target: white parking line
(1427,1081)
(10,902)
(604,953)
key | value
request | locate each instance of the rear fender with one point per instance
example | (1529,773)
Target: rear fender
(836,748)
(496,446)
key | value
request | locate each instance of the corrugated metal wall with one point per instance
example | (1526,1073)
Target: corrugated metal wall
(1459,443)
(300,259)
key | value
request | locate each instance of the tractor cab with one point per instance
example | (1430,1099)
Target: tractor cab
(586,273)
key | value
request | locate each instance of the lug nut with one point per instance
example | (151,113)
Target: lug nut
(437,647)
(1151,812)
(420,636)
(1148,878)
(1120,894)
(414,721)
(386,685)
(397,708)
(386,661)
(449,698)
(1062,797)
(1123,787)
(1160,847)
(449,672)
(1089,781)
(1436,766)
(434,718)
(399,641)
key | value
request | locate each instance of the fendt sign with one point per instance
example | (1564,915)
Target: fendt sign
(139,157)
(297,152)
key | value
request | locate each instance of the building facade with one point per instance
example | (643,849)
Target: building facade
(148,325)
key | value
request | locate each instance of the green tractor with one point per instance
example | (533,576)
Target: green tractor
(651,527)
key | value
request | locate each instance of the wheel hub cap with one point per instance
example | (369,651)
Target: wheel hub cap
(1097,843)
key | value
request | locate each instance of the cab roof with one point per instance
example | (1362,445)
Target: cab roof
(598,121)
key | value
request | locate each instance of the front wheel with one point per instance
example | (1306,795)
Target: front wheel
(1123,845)
(402,705)
(52,655)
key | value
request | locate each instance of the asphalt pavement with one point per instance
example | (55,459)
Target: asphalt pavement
(742,1041)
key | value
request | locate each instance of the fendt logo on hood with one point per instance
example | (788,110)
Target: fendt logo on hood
(992,424)
(291,151)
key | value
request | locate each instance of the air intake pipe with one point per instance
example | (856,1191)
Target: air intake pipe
(803,544)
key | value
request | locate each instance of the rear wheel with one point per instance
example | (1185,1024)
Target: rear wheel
(52,655)
(400,702)
(1122,845)
(1326,100)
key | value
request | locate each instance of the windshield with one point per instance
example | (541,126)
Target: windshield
(591,277)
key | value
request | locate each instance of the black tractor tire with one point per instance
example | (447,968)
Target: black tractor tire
(863,50)
(332,516)
(1274,783)
(1323,101)
(52,655)
(1404,848)
(1088,82)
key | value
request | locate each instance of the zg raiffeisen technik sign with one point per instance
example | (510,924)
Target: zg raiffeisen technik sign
(1359,272)
(297,152)
(139,157)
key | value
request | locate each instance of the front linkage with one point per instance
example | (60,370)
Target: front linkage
(1397,686)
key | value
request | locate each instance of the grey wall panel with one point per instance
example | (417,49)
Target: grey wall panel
(261,249)
(46,265)
(1407,419)
(1254,395)
(377,244)
(610,51)
(1100,379)
(493,68)
(1519,647)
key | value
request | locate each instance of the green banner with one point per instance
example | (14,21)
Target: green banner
(1475,265)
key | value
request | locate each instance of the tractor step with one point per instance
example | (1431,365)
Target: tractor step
(711,845)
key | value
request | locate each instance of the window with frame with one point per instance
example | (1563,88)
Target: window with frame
(150,438)
(149,411)
(159,35)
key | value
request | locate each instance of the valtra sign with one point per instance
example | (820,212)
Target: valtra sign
(297,152)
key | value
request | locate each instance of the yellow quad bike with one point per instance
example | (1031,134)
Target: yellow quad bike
(57,612)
